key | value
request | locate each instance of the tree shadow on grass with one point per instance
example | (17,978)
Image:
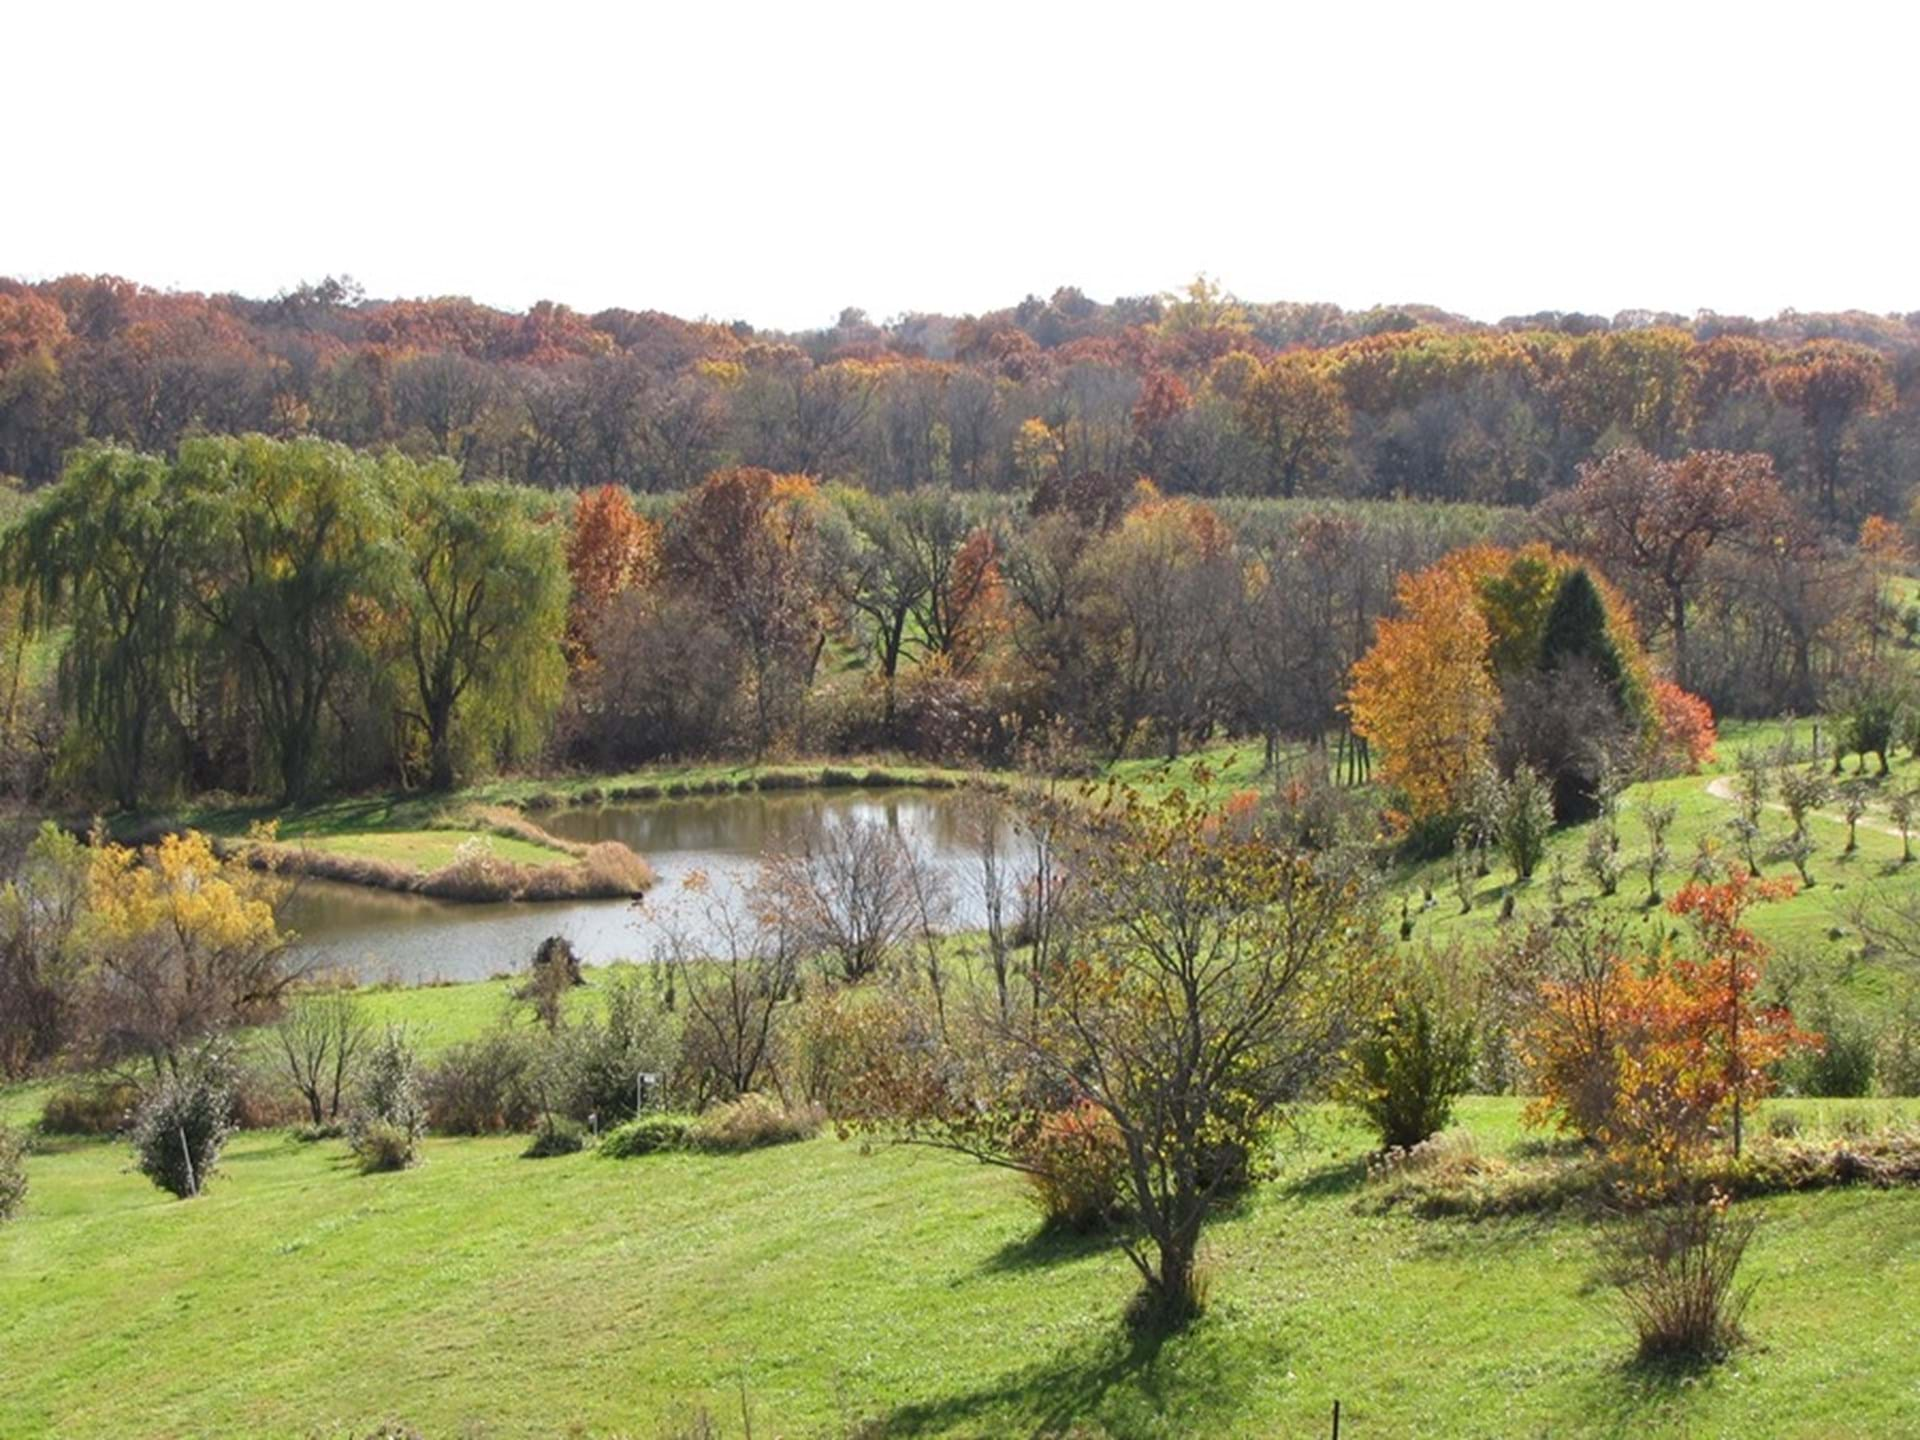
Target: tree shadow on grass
(1633,1394)
(1129,1382)
(1342,1177)
(1049,1245)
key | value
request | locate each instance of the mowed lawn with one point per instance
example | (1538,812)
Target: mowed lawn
(483,1295)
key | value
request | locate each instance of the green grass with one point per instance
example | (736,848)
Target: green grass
(427,850)
(1814,927)
(486,1295)
(1813,931)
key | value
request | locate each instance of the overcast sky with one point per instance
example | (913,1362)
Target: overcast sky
(778,163)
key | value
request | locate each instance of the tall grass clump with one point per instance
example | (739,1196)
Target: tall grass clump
(1676,1270)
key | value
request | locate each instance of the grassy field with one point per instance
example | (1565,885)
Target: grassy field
(488,1296)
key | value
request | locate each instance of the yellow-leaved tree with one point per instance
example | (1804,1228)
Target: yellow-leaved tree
(185,946)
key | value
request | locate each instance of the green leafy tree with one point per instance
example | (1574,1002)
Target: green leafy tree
(482,596)
(103,551)
(287,550)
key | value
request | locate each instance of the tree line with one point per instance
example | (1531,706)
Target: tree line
(288,618)
(1207,394)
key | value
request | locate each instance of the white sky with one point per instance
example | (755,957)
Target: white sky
(777,163)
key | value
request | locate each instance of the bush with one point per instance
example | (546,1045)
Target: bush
(1077,1167)
(382,1145)
(388,1117)
(13,1173)
(1675,1267)
(648,1135)
(481,1086)
(1842,1065)
(836,1037)
(554,1139)
(1411,1062)
(181,1128)
(90,1108)
(598,1059)
(752,1121)
(261,1101)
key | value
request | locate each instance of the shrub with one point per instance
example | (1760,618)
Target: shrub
(1883,1159)
(1521,819)
(1842,1065)
(598,1059)
(1077,1165)
(384,1129)
(382,1145)
(181,1127)
(648,1135)
(90,1108)
(1412,1060)
(1676,1268)
(752,1121)
(1898,1060)
(480,1086)
(836,1036)
(554,1138)
(1686,733)
(13,1173)
(262,1102)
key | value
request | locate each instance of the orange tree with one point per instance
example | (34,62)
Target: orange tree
(1479,627)
(1649,1054)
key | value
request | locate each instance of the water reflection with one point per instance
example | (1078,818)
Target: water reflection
(414,939)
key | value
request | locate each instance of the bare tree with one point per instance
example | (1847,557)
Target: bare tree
(321,1036)
(847,895)
(737,964)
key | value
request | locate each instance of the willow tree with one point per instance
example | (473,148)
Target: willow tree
(287,548)
(481,609)
(103,553)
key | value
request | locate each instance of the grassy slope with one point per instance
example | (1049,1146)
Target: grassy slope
(1800,927)
(486,1295)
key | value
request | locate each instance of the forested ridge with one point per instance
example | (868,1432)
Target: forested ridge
(1207,394)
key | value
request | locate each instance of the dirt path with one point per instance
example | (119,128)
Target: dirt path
(1721,787)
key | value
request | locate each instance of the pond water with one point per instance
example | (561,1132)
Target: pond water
(413,939)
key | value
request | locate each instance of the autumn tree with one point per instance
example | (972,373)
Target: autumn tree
(1524,643)
(184,946)
(1425,693)
(746,542)
(1656,521)
(1828,383)
(1212,977)
(611,548)
(1296,412)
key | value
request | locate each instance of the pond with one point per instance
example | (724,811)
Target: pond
(412,939)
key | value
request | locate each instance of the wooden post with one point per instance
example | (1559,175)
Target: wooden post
(186,1154)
